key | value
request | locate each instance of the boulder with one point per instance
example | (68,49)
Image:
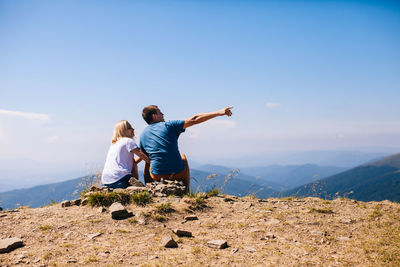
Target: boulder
(191,218)
(9,244)
(66,203)
(76,202)
(118,211)
(136,182)
(182,233)
(168,242)
(220,244)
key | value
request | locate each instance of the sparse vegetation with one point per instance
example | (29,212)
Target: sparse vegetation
(322,210)
(141,198)
(45,228)
(107,198)
(165,208)
(160,218)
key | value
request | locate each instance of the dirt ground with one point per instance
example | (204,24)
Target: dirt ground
(271,232)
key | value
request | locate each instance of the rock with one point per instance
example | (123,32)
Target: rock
(250,249)
(84,201)
(220,244)
(72,261)
(76,202)
(9,244)
(91,236)
(228,199)
(135,189)
(66,203)
(3,215)
(191,218)
(346,221)
(118,212)
(318,233)
(140,218)
(1,208)
(269,236)
(182,233)
(101,209)
(136,182)
(168,242)
(234,250)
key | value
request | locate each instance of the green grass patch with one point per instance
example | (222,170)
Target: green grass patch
(165,208)
(107,198)
(141,198)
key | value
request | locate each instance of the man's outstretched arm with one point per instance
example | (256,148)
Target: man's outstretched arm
(202,117)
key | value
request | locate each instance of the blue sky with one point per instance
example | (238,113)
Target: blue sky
(301,75)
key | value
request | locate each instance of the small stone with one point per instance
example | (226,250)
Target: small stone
(72,261)
(270,235)
(84,201)
(3,215)
(234,250)
(136,182)
(191,218)
(9,244)
(91,236)
(227,199)
(220,244)
(36,261)
(101,209)
(76,202)
(140,218)
(317,233)
(250,249)
(118,212)
(346,221)
(182,233)
(168,242)
(66,203)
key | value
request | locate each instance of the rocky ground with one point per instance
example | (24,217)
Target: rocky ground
(271,232)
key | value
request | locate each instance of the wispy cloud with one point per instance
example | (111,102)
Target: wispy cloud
(26,115)
(272,105)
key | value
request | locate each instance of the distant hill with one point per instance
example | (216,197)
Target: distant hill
(376,181)
(291,176)
(39,195)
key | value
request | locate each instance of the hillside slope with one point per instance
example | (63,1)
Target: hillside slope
(273,232)
(377,181)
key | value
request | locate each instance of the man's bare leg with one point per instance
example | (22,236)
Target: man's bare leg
(146,174)
(186,174)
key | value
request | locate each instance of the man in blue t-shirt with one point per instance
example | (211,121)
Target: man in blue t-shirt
(159,141)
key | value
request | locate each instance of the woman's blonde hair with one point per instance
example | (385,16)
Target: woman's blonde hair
(121,129)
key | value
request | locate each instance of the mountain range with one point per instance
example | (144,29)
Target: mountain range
(376,181)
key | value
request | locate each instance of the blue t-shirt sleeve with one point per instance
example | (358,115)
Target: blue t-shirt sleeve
(177,126)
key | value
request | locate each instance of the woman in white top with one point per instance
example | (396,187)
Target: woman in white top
(121,164)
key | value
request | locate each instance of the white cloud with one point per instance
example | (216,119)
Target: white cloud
(26,115)
(340,136)
(51,139)
(272,105)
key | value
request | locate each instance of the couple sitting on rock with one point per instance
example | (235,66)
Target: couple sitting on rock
(158,148)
